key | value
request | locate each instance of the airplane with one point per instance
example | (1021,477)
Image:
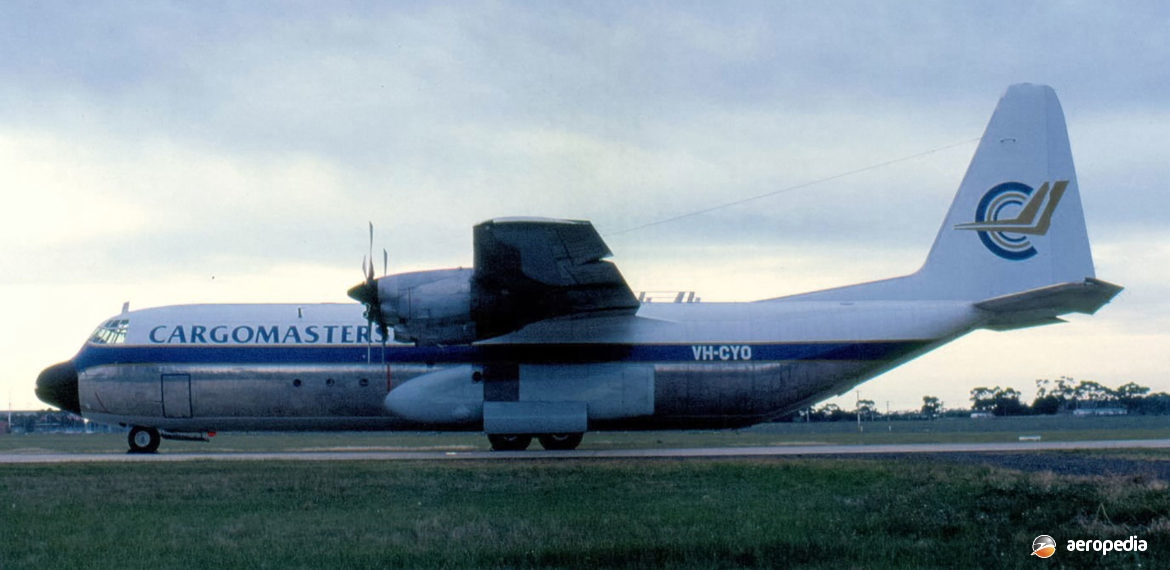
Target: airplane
(542,338)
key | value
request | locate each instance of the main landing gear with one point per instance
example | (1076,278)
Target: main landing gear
(549,441)
(561,441)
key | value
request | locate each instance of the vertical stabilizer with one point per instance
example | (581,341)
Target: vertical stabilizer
(1016,222)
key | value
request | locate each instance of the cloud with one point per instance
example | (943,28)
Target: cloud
(144,149)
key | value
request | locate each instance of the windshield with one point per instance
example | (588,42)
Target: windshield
(112,331)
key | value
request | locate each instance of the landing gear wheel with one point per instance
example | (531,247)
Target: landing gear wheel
(561,441)
(144,440)
(509,442)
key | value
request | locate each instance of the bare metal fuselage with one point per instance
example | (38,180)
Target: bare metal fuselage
(672,365)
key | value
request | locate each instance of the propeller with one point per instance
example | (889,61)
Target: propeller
(366,293)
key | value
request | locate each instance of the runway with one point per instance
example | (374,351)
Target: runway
(680,453)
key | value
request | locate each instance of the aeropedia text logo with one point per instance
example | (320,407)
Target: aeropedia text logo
(1044,546)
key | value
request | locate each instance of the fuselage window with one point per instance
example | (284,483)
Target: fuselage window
(112,331)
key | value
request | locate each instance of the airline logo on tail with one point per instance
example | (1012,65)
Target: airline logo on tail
(1010,212)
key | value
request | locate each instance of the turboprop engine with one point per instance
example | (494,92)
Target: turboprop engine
(425,307)
(429,307)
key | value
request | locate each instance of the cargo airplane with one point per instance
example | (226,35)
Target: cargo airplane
(542,338)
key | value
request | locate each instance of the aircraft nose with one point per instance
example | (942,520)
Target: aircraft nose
(57,385)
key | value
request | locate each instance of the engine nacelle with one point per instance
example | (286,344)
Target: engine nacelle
(428,307)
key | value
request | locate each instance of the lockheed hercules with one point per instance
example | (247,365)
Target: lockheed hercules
(542,338)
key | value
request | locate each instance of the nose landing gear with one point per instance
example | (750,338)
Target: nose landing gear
(144,439)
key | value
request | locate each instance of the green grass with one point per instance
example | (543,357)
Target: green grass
(814,513)
(822,513)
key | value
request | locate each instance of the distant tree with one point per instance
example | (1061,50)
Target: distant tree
(1007,403)
(998,401)
(1047,399)
(1131,390)
(931,407)
(1132,396)
(1065,390)
(983,398)
(1154,404)
(866,409)
(829,413)
(1094,392)
(1066,393)
(1047,405)
(1042,385)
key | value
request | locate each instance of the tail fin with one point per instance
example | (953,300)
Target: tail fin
(1016,222)
(1015,233)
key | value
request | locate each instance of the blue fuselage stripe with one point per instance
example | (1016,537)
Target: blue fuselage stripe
(97,355)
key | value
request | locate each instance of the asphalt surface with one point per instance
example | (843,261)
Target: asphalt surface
(1015,455)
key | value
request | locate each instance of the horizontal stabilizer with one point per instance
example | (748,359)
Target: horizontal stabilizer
(1044,305)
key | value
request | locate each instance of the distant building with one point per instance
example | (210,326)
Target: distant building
(1080,412)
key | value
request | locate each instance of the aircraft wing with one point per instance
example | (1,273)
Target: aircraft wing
(1044,305)
(532,269)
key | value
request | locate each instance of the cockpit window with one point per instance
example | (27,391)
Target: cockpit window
(112,331)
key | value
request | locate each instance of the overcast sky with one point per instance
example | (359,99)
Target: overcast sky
(164,153)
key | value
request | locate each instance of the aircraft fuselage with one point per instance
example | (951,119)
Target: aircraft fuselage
(316,367)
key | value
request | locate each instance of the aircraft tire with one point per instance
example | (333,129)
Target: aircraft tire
(509,442)
(144,439)
(561,441)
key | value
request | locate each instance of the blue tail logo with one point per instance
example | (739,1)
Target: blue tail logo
(1010,212)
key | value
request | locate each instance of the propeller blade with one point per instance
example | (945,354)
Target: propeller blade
(385,262)
(371,255)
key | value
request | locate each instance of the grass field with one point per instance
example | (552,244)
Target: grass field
(922,512)
(813,513)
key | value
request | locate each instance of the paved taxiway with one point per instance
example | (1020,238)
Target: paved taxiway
(691,453)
